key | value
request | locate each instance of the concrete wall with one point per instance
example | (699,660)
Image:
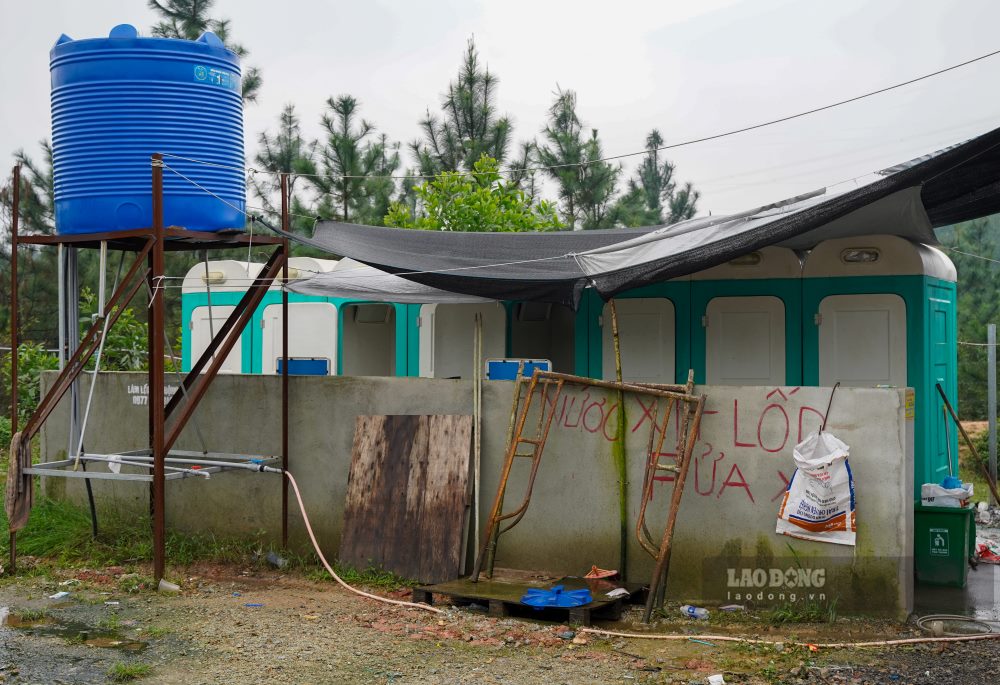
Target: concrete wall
(727,519)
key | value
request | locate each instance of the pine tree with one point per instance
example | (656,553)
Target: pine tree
(652,197)
(189,19)
(586,185)
(354,185)
(287,151)
(469,126)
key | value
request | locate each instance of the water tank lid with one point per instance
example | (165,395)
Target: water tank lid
(124,31)
(212,40)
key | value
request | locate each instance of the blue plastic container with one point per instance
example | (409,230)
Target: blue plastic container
(116,101)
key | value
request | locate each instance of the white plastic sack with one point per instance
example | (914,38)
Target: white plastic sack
(819,500)
(935,495)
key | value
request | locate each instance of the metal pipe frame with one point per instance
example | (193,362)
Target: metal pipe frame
(14,228)
(286,227)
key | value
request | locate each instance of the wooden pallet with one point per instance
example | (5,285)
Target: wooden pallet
(503,598)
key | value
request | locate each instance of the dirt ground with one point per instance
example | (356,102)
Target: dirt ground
(234,626)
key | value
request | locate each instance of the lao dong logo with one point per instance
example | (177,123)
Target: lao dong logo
(775,584)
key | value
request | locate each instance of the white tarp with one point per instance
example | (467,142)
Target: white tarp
(356,281)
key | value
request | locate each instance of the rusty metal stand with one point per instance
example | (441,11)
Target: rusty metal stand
(150,246)
(539,385)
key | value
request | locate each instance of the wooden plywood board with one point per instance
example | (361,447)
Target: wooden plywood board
(408,496)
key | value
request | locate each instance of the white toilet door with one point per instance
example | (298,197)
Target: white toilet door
(201,335)
(862,340)
(312,334)
(646,336)
(745,341)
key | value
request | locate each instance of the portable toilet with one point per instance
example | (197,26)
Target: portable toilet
(210,292)
(374,337)
(880,311)
(652,333)
(312,326)
(446,336)
(746,320)
(541,330)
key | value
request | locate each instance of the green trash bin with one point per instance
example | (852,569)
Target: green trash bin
(945,540)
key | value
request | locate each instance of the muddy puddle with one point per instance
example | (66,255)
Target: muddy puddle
(40,624)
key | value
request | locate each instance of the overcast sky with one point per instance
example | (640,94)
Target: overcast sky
(687,67)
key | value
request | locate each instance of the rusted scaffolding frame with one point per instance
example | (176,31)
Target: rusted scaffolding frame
(151,244)
(539,383)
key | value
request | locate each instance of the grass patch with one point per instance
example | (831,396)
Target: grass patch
(802,612)
(61,532)
(30,615)
(122,672)
(153,632)
(371,577)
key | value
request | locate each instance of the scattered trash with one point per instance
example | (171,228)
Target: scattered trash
(617,592)
(694,612)
(595,572)
(237,594)
(732,607)
(167,586)
(579,640)
(253,604)
(716,679)
(71,581)
(111,603)
(566,635)
(276,561)
(701,642)
(987,550)
(557,596)
(812,647)
(310,617)
(59,595)
(935,495)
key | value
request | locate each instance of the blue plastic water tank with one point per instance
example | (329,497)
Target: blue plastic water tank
(116,101)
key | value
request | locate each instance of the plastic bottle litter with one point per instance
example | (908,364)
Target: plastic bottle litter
(716,679)
(694,612)
(276,561)
(167,586)
(59,595)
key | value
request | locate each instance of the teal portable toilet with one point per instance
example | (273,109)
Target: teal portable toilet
(652,332)
(374,338)
(540,330)
(446,334)
(222,284)
(879,310)
(312,326)
(746,320)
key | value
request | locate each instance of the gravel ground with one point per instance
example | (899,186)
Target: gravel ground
(307,632)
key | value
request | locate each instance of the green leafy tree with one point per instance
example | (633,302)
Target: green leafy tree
(32,359)
(482,200)
(189,19)
(126,346)
(653,196)
(585,185)
(356,165)
(286,151)
(469,126)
